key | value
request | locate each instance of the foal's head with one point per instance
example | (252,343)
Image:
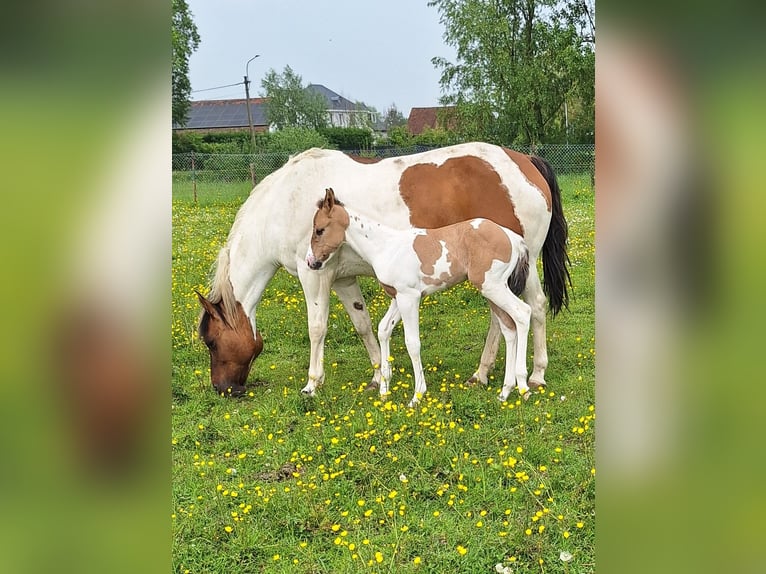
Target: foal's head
(329,230)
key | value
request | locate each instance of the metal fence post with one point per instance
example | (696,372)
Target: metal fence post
(194,178)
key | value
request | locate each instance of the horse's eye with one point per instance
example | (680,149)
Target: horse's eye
(319,232)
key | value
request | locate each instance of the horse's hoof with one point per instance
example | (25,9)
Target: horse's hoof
(373,386)
(307,392)
(526,395)
(534,385)
(475,380)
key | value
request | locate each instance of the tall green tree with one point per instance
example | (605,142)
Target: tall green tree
(185,40)
(393,117)
(290,103)
(518,63)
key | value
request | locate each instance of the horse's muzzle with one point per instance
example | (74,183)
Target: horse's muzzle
(313,263)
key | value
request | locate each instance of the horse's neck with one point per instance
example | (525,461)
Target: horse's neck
(371,239)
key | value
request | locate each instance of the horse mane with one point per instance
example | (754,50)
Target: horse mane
(221,291)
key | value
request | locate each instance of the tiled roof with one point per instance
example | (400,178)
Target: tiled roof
(422,118)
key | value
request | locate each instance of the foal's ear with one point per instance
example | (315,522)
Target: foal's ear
(329,198)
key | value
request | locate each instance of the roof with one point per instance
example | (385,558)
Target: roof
(225,114)
(335,101)
(211,114)
(422,118)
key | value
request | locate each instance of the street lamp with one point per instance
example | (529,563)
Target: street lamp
(247,97)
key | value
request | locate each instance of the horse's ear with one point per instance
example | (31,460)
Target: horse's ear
(208,306)
(329,198)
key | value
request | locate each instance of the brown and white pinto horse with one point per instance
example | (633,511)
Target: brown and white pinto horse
(410,263)
(432,189)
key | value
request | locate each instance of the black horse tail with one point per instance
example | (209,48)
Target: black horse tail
(518,277)
(555,258)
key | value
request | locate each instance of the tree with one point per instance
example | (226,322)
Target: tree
(518,63)
(290,103)
(185,40)
(393,118)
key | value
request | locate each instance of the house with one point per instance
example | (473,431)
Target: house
(231,115)
(431,118)
(343,112)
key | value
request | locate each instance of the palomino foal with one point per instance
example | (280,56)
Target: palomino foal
(411,263)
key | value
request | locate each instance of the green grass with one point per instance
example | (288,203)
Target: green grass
(277,482)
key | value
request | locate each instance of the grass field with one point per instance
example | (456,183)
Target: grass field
(341,483)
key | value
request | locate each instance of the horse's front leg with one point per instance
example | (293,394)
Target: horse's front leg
(347,289)
(316,289)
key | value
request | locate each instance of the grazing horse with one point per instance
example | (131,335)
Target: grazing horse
(410,263)
(431,189)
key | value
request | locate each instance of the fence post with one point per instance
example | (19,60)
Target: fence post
(194,178)
(252,173)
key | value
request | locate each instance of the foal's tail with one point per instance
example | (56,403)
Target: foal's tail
(555,258)
(518,277)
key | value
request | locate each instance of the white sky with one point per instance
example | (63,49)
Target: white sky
(378,52)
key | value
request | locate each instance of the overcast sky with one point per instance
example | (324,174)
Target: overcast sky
(377,52)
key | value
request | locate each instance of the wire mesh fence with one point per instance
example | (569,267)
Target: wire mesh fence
(221,174)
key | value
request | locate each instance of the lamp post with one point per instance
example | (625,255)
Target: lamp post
(247,97)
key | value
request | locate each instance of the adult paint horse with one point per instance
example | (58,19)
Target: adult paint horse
(428,190)
(410,263)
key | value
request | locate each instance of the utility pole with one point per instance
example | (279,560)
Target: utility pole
(247,97)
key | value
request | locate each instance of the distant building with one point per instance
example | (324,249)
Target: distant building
(231,115)
(433,118)
(343,112)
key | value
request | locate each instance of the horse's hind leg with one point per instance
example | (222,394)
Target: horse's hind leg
(347,289)
(535,298)
(489,353)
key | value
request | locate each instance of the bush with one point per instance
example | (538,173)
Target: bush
(293,140)
(348,138)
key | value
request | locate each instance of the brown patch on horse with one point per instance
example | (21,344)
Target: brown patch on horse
(478,249)
(461,188)
(487,244)
(390,291)
(504,317)
(233,346)
(363,159)
(532,174)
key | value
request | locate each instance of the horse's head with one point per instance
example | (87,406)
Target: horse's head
(329,230)
(231,343)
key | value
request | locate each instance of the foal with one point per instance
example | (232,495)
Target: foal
(416,262)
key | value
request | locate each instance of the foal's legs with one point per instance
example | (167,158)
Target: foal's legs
(514,319)
(410,312)
(347,289)
(489,353)
(385,328)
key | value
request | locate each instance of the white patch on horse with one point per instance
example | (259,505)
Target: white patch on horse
(443,264)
